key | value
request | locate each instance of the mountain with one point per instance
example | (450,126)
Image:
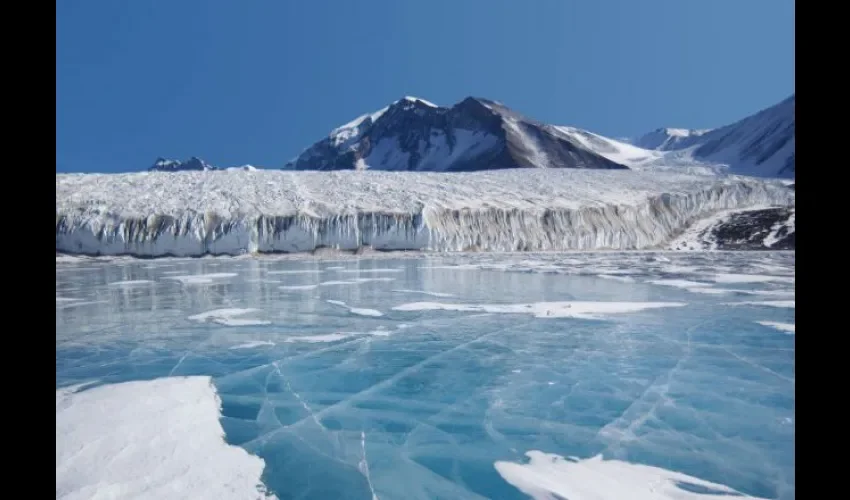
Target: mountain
(669,139)
(413,134)
(475,134)
(762,144)
(193,163)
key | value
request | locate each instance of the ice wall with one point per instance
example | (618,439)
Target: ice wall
(231,213)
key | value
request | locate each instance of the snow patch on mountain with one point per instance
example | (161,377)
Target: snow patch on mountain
(413,134)
(762,144)
(668,139)
(481,134)
(617,151)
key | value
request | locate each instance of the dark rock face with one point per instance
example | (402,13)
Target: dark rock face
(754,229)
(193,163)
(475,134)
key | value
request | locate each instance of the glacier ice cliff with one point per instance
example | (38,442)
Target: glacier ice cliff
(233,212)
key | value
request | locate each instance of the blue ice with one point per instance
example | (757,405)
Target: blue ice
(343,395)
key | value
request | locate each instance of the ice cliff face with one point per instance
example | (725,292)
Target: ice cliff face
(476,134)
(749,229)
(233,212)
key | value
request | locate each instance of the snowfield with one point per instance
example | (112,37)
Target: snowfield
(234,212)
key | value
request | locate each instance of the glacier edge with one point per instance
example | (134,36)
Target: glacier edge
(615,227)
(606,223)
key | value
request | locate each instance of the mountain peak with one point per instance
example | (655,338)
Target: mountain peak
(474,134)
(412,99)
(762,144)
(193,163)
(482,134)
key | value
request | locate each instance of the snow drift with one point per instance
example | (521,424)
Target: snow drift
(234,212)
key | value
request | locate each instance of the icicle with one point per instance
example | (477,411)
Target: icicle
(617,227)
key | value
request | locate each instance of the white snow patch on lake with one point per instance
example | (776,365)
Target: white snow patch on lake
(547,476)
(227,317)
(297,287)
(586,310)
(423,292)
(202,279)
(131,283)
(252,344)
(679,283)
(751,278)
(329,337)
(769,303)
(371,270)
(298,271)
(359,311)
(785,327)
(149,439)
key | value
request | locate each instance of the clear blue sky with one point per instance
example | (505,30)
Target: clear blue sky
(257,81)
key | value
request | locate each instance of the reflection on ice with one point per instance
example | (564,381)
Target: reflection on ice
(339,385)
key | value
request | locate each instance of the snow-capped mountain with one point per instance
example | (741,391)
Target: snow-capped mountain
(475,134)
(479,134)
(762,144)
(668,139)
(193,163)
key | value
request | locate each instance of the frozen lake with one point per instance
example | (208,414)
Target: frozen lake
(469,376)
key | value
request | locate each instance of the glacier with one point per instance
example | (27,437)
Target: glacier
(154,214)
(582,375)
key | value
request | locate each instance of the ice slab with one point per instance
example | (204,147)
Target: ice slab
(548,476)
(423,292)
(687,284)
(791,304)
(131,283)
(785,327)
(586,310)
(296,271)
(328,337)
(149,439)
(227,316)
(297,287)
(252,344)
(360,311)
(202,279)
(751,278)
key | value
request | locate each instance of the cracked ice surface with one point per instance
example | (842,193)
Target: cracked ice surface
(482,395)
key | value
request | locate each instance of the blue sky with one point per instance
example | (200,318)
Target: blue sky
(258,81)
